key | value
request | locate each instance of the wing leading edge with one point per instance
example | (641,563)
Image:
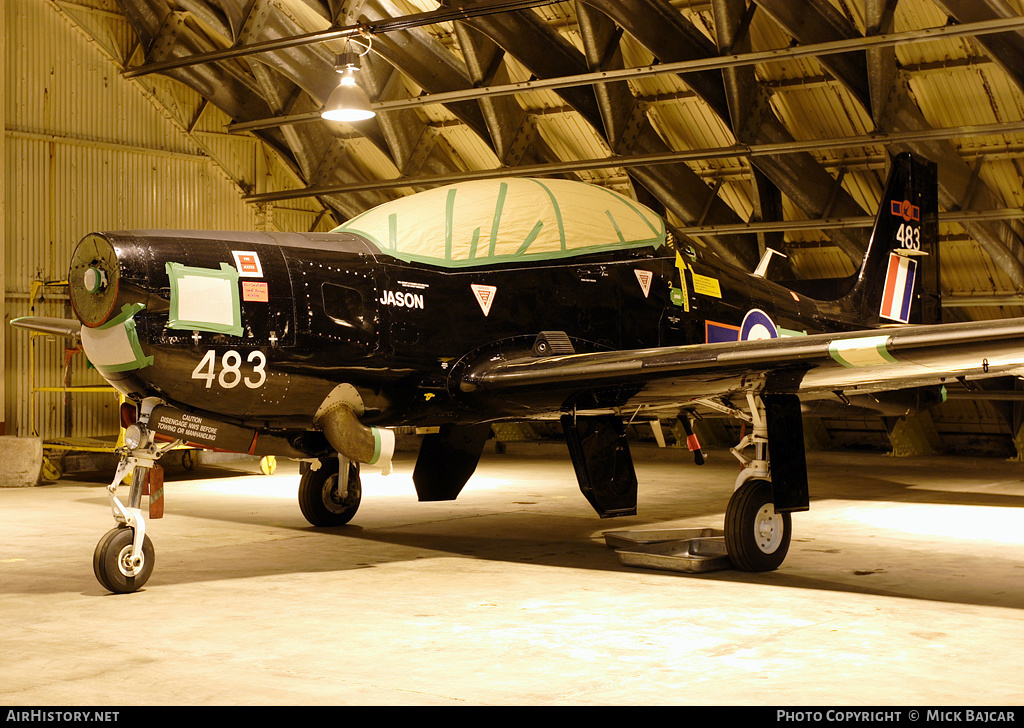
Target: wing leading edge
(67,328)
(814,365)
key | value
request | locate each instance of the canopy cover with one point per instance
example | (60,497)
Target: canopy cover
(511,220)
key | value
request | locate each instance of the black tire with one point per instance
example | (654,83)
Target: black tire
(109,561)
(318,494)
(756,537)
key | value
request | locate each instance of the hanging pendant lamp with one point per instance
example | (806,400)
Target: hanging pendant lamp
(348,102)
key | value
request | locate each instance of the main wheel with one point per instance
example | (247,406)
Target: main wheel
(756,537)
(319,500)
(111,561)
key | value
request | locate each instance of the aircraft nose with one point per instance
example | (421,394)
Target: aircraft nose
(93,278)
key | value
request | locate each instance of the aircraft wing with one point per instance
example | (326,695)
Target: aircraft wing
(810,366)
(71,329)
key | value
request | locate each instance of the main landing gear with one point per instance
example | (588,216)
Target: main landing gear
(758,525)
(330,491)
(124,558)
(756,537)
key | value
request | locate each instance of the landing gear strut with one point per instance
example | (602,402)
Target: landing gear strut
(124,558)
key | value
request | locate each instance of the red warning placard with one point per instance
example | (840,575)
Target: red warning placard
(255,291)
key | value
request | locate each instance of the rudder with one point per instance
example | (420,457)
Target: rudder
(897,282)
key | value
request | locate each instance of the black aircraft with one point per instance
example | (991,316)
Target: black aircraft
(498,301)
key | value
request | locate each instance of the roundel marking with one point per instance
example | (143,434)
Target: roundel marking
(757,325)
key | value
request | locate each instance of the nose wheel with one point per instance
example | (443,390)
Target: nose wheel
(124,558)
(115,566)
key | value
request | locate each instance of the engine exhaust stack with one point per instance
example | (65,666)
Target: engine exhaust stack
(338,418)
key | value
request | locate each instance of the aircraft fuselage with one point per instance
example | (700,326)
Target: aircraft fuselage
(315,311)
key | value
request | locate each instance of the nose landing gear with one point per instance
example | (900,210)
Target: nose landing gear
(124,558)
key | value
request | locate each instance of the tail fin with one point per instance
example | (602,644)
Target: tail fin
(897,282)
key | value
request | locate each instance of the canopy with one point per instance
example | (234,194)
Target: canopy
(510,220)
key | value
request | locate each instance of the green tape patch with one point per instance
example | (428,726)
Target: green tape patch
(115,346)
(867,351)
(204,299)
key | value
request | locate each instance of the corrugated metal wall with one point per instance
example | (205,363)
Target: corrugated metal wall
(85,150)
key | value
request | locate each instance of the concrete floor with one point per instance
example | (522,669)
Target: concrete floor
(904,586)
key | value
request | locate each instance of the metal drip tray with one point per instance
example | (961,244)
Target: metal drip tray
(689,550)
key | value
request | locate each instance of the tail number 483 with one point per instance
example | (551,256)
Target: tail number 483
(230,375)
(909,236)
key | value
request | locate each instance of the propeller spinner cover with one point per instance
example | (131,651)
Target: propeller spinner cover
(93,278)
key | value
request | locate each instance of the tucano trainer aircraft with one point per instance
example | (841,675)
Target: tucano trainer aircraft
(492,301)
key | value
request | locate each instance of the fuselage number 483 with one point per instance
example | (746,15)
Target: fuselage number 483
(230,375)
